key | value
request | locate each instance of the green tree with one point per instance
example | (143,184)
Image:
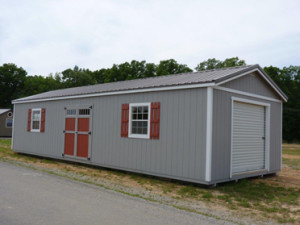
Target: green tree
(12,80)
(213,63)
(287,79)
(38,84)
(170,66)
(77,77)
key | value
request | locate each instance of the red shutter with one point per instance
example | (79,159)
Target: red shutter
(29,120)
(124,120)
(154,122)
(43,118)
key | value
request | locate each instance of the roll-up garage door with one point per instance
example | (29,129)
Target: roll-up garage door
(248,137)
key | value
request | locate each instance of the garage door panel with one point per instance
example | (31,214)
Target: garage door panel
(248,132)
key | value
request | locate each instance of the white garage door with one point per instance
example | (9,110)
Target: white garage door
(248,137)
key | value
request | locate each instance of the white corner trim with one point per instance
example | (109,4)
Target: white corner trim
(281,136)
(262,74)
(13,129)
(209,116)
(144,136)
(246,94)
(178,87)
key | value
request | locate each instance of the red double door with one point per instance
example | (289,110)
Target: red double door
(77,137)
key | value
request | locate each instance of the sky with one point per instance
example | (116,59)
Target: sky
(52,35)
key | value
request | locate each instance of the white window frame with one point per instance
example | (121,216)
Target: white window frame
(145,136)
(36,110)
(12,123)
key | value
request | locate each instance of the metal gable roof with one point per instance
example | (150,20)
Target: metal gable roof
(203,77)
(4,111)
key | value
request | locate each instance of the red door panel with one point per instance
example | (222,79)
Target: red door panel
(69,144)
(70,124)
(83,124)
(82,145)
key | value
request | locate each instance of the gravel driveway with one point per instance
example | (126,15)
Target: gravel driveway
(31,197)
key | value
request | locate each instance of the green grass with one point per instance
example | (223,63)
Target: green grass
(5,142)
(250,191)
(293,163)
(291,151)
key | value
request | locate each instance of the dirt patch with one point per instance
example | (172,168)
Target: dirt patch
(288,178)
(291,146)
(291,156)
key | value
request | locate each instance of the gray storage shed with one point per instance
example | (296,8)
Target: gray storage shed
(6,122)
(203,127)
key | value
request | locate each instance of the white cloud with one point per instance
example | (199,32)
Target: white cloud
(50,36)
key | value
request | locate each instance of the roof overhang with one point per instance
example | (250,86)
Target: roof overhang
(168,88)
(216,83)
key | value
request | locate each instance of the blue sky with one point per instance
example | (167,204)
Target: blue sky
(49,36)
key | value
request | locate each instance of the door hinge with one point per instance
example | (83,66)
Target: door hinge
(64,131)
(90,132)
(263,138)
(91,107)
(62,154)
(88,158)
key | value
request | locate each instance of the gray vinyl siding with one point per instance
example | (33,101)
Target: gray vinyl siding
(252,83)
(221,144)
(179,152)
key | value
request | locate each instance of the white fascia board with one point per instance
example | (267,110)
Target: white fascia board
(247,94)
(179,87)
(251,71)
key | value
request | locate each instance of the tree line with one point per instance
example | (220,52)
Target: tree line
(16,83)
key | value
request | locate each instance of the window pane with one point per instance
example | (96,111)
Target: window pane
(140,116)
(140,109)
(35,125)
(84,111)
(134,109)
(134,123)
(8,122)
(140,130)
(145,109)
(145,130)
(71,111)
(134,130)
(134,116)
(145,124)
(145,116)
(36,115)
(140,124)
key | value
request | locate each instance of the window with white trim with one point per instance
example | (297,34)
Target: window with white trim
(36,120)
(139,120)
(8,122)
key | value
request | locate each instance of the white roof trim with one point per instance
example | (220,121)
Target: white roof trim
(179,87)
(246,94)
(262,74)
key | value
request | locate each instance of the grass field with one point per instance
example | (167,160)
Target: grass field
(275,198)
